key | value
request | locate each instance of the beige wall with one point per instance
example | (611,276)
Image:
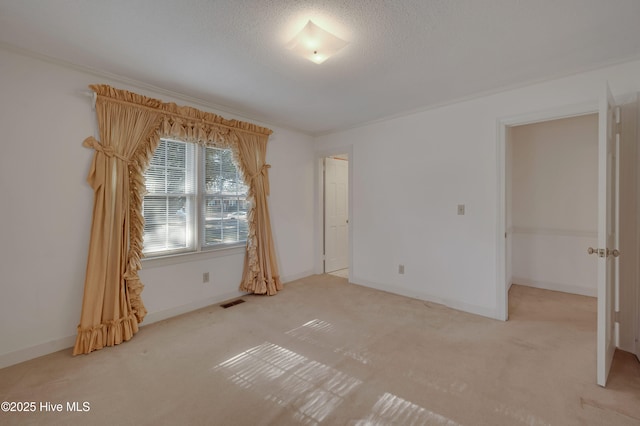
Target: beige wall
(554,196)
(555,175)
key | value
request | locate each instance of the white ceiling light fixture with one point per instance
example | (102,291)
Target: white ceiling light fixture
(316,44)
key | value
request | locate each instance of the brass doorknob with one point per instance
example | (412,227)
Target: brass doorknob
(601,252)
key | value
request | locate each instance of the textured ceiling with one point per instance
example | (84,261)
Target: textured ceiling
(403,55)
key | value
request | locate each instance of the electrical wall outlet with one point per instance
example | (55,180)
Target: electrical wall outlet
(401,269)
(205,277)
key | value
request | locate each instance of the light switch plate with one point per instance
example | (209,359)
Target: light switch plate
(460,209)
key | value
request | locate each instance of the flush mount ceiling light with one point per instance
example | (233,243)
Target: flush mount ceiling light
(316,44)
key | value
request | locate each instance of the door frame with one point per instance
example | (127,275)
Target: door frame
(319,205)
(502,280)
(637,312)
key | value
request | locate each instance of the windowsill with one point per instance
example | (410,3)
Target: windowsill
(175,259)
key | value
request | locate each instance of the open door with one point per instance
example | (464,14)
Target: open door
(637,310)
(608,194)
(336,214)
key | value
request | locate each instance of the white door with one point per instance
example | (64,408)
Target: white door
(608,175)
(637,310)
(336,214)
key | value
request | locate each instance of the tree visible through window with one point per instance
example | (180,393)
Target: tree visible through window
(183,213)
(225,199)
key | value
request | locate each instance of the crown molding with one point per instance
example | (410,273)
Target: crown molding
(480,95)
(241,115)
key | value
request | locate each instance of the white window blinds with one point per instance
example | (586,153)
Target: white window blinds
(196,200)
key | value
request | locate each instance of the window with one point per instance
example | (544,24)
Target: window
(196,200)
(225,200)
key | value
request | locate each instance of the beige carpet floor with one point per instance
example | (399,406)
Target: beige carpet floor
(327,352)
(342,273)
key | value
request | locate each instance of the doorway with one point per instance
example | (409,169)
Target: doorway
(552,204)
(505,225)
(626,317)
(336,215)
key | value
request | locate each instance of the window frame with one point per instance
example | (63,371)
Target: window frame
(198,250)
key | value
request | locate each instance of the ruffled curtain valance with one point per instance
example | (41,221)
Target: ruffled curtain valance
(130,128)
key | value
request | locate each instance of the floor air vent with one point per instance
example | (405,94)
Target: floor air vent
(232,303)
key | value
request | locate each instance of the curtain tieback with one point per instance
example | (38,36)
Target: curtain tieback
(263,171)
(91,142)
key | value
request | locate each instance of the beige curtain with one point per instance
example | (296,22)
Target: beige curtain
(260,273)
(130,126)
(111,306)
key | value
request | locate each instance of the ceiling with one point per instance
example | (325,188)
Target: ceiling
(403,56)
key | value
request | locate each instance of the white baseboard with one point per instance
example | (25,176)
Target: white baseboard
(36,351)
(453,304)
(189,307)
(67,342)
(193,306)
(47,348)
(288,278)
(565,288)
